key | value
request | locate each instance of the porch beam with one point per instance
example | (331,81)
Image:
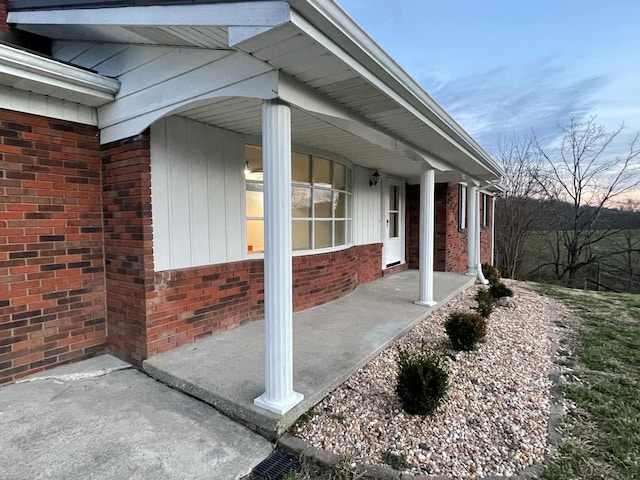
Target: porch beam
(427,220)
(279,396)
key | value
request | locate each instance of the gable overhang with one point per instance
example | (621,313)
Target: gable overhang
(28,71)
(327,67)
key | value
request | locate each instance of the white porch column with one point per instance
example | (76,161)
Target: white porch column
(493,230)
(427,220)
(472,214)
(279,396)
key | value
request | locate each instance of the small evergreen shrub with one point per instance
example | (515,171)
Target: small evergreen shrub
(465,329)
(491,273)
(397,461)
(500,290)
(486,303)
(422,381)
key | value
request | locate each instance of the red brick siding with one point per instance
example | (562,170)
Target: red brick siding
(192,303)
(52,305)
(369,262)
(485,235)
(456,240)
(440,230)
(412,222)
(3,17)
(128,244)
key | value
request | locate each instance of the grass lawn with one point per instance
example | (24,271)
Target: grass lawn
(602,355)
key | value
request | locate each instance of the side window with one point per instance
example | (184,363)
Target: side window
(462,207)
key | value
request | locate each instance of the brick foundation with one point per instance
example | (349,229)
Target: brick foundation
(192,303)
(52,304)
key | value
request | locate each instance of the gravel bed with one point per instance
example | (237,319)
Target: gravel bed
(494,418)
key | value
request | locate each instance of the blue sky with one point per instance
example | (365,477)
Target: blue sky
(503,67)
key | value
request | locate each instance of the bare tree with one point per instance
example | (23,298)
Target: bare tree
(518,210)
(582,171)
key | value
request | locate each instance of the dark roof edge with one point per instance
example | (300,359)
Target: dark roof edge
(21,5)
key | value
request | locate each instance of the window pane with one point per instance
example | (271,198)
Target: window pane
(393,198)
(254,200)
(321,172)
(253,157)
(393,225)
(322,234)
(301,234)
(300,168)
(322,203)
(340,204)
(255,236)
(339,176)
(340,232)
(300,202)
(348,180)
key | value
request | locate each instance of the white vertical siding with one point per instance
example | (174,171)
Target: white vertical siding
(197,195)
(366,208)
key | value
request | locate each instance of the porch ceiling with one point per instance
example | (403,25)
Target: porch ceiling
(244,115)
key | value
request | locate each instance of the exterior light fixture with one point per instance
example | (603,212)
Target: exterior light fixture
(247,170)
(375,178)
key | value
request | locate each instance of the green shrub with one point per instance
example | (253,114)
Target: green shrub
(422,381)
(465,329)
(500,290)
(491,273)
(397,461)
(486,303)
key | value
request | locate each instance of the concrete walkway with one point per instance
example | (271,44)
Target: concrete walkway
(101,419)
(331,342)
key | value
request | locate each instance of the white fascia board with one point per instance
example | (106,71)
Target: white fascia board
(43,70)
(325,14)
(327,110)
(256,14)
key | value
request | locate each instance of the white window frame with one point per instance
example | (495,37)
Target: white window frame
(348,219)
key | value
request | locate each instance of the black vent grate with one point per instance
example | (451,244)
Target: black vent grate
(276,465)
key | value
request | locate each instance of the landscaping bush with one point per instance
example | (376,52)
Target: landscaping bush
(500,290)
(422,381)
(486,303)
(465,329)
(491,273)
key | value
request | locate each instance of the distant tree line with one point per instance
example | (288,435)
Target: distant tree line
(568,213)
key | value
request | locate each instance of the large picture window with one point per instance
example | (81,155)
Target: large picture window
(320,202)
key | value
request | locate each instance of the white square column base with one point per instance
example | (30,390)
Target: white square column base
(280,407)
(426,304)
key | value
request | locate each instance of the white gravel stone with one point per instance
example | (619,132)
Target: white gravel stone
(494,418)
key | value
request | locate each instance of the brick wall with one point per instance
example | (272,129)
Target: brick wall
(440,229)
(412,222)
(128,244)
(4,28)
(485,236)
(52,305)
(456,241)
(192,303)
(450,245)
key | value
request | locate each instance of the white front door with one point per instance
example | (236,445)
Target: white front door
(394,222)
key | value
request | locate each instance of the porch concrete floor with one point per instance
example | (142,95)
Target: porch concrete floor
(331,342)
